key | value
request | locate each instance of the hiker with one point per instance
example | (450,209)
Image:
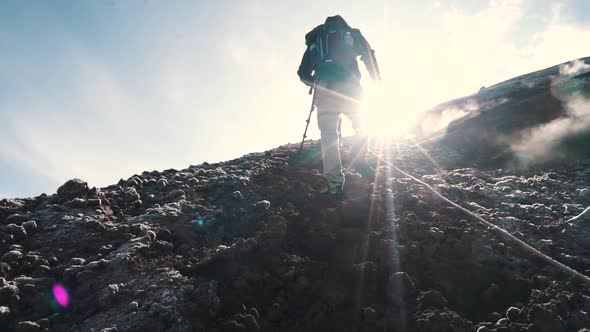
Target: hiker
(330,65)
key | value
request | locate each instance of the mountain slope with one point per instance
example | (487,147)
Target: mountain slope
(251,245)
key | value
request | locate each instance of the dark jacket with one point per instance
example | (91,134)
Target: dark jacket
(334,72)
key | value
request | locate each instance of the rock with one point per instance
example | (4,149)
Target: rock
(16,247)
(400,287)
(97,265)
(95,225)
(503,322)
(77,261)
(30,226)
(135,181)
(27,326)
(74,188)
(12,256)
(176,195)
(8,293)
(151,235)
(370,315)
(436,234)
(254,312)
(432,299)
(162,184)
(110,329)
(41,271)
(4,313)
(491,292)
(133,306)
(106,297)
(275,314)
(6,238)
(16,218)
(105,249)
(84,276)
(250,322)
(546,320)
(512,314)
(45,323)
(18,232)
(163,246)
(164,234)
(584,194)
(232,326)
(156,309)
(138,229)
(264,204)
(77,203)
(94,202)
(237,195)
(131,195)
(119,232)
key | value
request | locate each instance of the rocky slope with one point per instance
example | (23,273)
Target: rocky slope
(252,245)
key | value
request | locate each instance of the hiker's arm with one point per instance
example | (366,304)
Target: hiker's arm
(304,71)
(367,55)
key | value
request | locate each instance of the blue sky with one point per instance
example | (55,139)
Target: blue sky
(102,90)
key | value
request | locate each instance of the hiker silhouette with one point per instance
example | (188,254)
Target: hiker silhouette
(329,65)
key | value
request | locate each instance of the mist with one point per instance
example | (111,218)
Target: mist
(543,143)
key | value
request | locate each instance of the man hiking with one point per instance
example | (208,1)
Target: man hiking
(329,65)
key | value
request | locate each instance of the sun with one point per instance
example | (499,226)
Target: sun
(386,114)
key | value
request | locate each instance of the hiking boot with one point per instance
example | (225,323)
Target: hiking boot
(333,189)
(363,167)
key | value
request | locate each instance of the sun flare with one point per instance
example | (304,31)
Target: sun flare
(388,115)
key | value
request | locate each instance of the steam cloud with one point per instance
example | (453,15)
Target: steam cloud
(574,68)
(541,143)
(436,122)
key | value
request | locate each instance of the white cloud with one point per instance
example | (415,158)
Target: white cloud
(484,28)
(105,131)
(475,49)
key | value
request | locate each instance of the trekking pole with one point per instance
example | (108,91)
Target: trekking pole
(311,92)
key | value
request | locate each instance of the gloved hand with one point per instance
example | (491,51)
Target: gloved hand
(308,80)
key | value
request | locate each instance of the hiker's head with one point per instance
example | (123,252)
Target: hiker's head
(337,19)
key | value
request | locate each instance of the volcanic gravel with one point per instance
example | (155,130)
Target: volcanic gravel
(253,245)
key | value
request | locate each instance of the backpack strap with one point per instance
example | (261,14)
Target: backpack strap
(308,61)
(311,36)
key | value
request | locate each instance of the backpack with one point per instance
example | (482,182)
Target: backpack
(333,47)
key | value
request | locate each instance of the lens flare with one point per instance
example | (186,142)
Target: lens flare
(60,293)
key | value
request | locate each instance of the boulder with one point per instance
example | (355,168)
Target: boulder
(74,188)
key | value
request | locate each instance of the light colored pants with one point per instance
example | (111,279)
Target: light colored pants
(332,101)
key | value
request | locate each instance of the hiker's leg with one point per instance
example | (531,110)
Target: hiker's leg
(328,115)
(352,110)
(360,141)
(328,124)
